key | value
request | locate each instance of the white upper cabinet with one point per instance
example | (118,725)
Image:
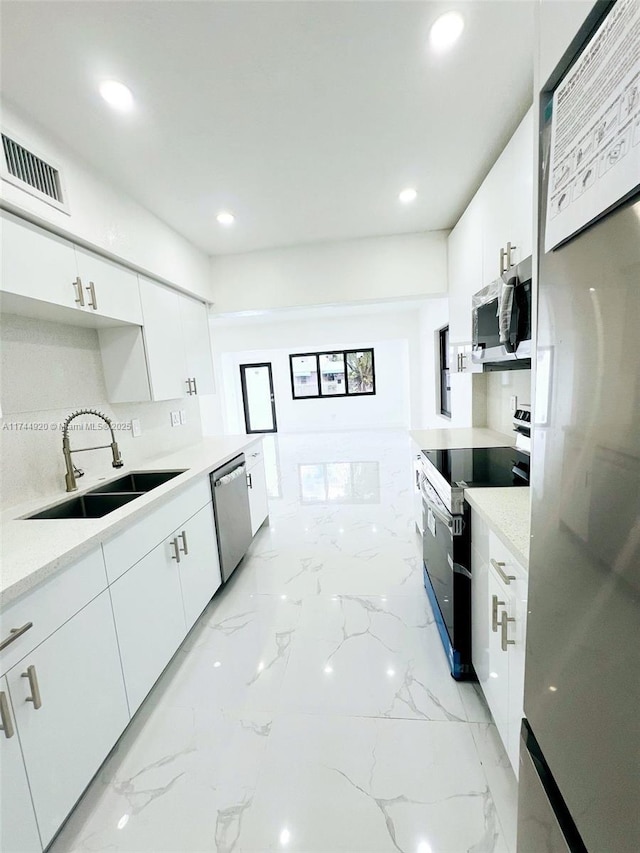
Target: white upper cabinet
(163,341)
(108,289)
(194,319)
(522,218)
(38,265)
(176,335)
(465,271)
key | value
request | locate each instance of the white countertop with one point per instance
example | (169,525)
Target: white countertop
(33,549)
(507,511)
(445,439)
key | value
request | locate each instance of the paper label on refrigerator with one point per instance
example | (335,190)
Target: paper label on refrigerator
(595,129)
(431,522)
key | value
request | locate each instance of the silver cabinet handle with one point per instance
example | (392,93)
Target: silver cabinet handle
(31,675)
(498,567)
(494,612)
(504,627)
(176,550)
(503,256)
(510,249)
(185,548)
(79,294)
(93,302)
(195,387)
(6,723)
(14,633)
(249,481)
(188,384)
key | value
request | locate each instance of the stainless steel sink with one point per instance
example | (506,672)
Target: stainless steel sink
(89,506)
(137,481)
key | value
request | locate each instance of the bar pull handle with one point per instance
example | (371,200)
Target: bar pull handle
(79,294)
(494,612)
(185,547)
(14,633)
(6,723)
(249,481)
(498,567)
(32,677)
(188,384)
(176,550)
(510,249)
(93,302)
(503,255)
(504,628)
(195,387)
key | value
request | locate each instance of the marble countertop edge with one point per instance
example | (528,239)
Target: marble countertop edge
(507,511)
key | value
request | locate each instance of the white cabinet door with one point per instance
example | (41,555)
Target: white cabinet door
(464,251)
(83,710)
(199,563)
(147,606)
(37,264)
(497,200)
(496,687)
(520,231)
(163,341)
(18,828)
(109,289)
(197,346)
(517,633)
(258,502)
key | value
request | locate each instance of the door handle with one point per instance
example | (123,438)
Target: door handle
(249,481)
(14,633)
(93,302)
(502,261)
(176,550)
(494,612)
(195,387)
(504,627)
(79,294)
(188,384)
(185,548)
(510,249)
(6,723)
(498,567)
(32,677)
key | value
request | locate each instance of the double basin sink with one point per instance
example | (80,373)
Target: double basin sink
(111,496)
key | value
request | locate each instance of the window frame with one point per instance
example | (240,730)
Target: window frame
(344,353)
(444,372)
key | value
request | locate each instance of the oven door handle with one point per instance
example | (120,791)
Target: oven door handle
(444,517)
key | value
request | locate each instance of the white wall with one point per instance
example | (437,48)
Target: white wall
(433,317)
(103,217)
(48,371)
(405,366)
(409,265)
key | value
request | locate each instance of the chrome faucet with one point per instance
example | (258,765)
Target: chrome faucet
(70,477)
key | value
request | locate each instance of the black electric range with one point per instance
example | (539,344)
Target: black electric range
(447,535)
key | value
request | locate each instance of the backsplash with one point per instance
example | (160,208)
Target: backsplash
(501,386)
(49,370)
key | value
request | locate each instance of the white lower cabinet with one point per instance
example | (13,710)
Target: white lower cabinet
(147,607)
(70,708)
(199,563)
(257,482)
(499,626)
(18,827)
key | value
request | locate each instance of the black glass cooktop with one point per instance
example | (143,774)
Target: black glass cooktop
(477,466)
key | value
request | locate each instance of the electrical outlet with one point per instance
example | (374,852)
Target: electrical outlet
(175,419)
(183,416)
(136,429)
(513,400)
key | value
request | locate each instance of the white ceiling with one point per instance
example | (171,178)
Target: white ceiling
(303,118)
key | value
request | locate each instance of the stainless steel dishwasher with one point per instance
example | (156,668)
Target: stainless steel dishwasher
(231,509)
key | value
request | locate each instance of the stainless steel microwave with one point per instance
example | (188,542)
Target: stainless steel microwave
(501,321)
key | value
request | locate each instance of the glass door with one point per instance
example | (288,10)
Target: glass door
(257,398)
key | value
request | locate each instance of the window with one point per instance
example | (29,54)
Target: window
(443,360)
(341,373)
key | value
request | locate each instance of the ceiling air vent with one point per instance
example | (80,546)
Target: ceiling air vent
(25,169)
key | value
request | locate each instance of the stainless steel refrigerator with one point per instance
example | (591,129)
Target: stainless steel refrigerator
(580,749)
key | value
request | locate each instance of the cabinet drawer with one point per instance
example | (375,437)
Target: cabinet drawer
(254,454)
(50,604)
(130,546)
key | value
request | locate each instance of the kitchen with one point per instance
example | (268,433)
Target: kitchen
(311,706)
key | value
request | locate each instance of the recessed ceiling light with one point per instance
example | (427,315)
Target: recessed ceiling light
(225,218)
(117,95)
(408,195)
(446,31)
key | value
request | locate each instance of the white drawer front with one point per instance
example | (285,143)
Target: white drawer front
(130,546)
(254,454)
(51,604)
(499,552)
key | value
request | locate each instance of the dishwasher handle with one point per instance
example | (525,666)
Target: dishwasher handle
(230,477)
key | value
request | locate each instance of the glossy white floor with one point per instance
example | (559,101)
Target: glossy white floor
(311,708)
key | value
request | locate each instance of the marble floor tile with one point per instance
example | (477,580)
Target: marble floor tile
(311,708)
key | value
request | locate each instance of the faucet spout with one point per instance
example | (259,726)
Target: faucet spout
(70,476)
